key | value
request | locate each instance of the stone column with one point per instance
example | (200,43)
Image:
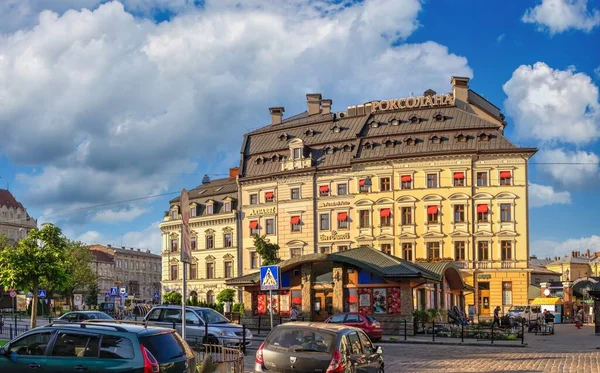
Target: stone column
(247,299)
(406,298)
(568,299)
(338,288)
(307,300)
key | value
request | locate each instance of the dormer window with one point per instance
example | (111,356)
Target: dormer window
(347,148)
(410,141)
(374,124)
(336,129)
(414,119)
(193,210)
(389,143)
(309,132)
(461,138)
(435,139)
(438,117)
(260,160)
(395,122)
(368,145)
(328,150)
(297,153)
(484,137)
(209,209)
(174,214)
(284,137)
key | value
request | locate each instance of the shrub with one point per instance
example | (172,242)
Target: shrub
(226,295)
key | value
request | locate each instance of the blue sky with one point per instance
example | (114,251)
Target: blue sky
(126,100)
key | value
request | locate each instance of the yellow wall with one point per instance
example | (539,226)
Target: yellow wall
(576,270)
(518,279)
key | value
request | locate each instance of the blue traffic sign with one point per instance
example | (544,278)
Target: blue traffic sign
(123,295)
(113,292)
(156,295)
(269,277)
(42,294)
(123,290)
(106,295)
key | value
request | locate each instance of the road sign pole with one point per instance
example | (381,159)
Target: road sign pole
(183,302)
(271,307)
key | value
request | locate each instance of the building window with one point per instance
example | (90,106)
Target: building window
(432,180)
(406,181)
(459,250)
(342,189)
(227,206)
(386,248)
(482,179)
(297,153)
(325,250)
(210,242)
(193,211)
(254,199)
(407,215)
(342,248)
(193,272)
(253,227)
(174,245)
(342,220)
(364,185)
(295,223)
(324,190)
(210,297)
(505,212)
(364,219)
(507,293)
(483,250)
(295,193)
(459,179)
(210,270)
(228,269)
(459,213)
(227,240)
(174,214)
(209,209)
(482,213)
(506,250)
(324,222)
(253,259)
(295,252)
(269,197)
(270,226)
(433,250)
(194,243)
(385,184)
(407,251)
(174,272)
(385,217)
(433,214)
(505,178)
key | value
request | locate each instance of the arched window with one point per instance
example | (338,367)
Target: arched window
(210,297)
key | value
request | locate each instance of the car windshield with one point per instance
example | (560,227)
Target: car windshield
(300,340)
(102,316)
(213,317)
(517,309)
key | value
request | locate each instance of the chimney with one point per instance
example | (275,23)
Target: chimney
(108,245)
(234,172)
(206,179)
(326,106)
(313,100)
(588,253)
(460,88)
(429,92)
(276,114)
(139,250)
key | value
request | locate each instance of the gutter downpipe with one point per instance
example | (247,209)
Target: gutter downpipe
(474,249)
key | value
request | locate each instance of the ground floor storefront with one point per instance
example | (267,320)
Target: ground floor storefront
(493,288)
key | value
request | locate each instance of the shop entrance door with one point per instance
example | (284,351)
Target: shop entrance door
(484,298)
(322,305)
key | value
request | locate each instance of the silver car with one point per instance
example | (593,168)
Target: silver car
(200,320)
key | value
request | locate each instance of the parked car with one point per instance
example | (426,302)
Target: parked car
(318,347)
(78,316)
(365,322)
(527,313)
(220,329)
(97,347)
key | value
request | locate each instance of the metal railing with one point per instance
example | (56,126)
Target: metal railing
(478,332)
(221,359)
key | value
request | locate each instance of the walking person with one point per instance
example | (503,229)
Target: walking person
(497,316)
(293,313)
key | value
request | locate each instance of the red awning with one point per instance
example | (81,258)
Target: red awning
(482,208)
(342,216)
(505,174)
(432,210)
(384,213)
(406,178)
(269,195)
(361,182)
(324,188)
(459,175)
(297,300)
(295,220)
(253,224)
(352,299)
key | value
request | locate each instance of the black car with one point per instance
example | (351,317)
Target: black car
(318,347)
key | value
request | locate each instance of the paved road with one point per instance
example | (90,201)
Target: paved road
(569,350)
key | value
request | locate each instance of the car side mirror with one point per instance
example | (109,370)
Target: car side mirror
(379,350)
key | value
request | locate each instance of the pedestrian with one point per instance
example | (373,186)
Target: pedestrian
(293,313)
(579,319)
(497,316)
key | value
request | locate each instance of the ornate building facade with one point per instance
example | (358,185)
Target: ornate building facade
(427,179)
(214,229)
(15,222)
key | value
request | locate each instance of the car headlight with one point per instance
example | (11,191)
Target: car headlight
(227,333)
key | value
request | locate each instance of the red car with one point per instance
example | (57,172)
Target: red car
(365,322)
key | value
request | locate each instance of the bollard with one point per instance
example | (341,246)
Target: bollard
(492,336)
(523,333)
(11,332)
(244,339)
(405,327)
(206,332)
(258,332)
(433,330)
(279,320)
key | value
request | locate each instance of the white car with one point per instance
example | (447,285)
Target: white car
(526,313)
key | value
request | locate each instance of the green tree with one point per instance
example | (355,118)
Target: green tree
(172,297)
(80,276)
(226,295)
(92,294)
(268,251)
(34,260)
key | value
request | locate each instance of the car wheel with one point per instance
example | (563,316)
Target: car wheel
(380,369)
(212,340)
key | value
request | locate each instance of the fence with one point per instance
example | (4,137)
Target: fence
(222,359)
(478,332)
(10,330)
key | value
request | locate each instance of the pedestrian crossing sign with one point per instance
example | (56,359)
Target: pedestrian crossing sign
(269,277)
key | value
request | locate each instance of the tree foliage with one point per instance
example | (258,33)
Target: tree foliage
(172,297)
(38,258)
(269,252)
(92,294)
(226,295)
(80,276)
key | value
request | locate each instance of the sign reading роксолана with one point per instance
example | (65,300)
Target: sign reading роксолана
(413,102)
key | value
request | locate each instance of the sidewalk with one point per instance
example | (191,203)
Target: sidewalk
(428,339)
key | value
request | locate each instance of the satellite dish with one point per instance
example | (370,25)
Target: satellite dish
(547,292)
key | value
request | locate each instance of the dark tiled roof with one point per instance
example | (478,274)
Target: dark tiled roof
(436,268)
(542,271)
(217,187)
(539,262)
(571,260)
(296,120)
(8,200)
(101,256)
(135,252)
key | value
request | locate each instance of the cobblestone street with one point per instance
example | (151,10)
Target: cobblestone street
(569,350)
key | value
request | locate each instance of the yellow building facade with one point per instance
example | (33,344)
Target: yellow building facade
(428,178)
(214,235)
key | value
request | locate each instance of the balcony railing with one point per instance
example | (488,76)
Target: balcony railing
(483,265)
(508,264)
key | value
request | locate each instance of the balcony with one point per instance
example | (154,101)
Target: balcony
(483,264)
(508,264)
(462,264)
(294,164)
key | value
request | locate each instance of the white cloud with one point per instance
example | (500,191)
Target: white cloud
(148,238)
(109,106)
(553,105)
(570,169)
(500,38)
(556,16)
(544,195)
(117,216)
(544,248)
(597,72)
